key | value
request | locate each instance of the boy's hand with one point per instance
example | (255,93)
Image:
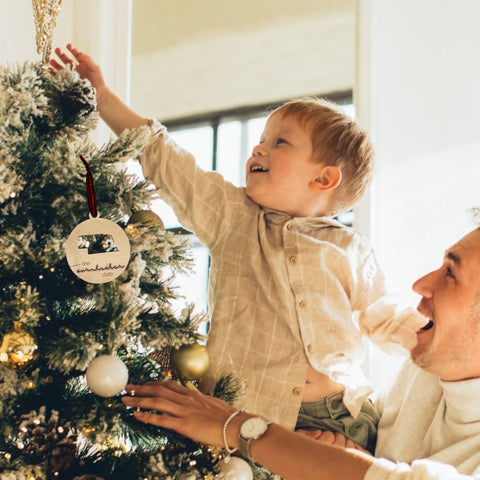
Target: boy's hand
(330,438)
(116,114)
(83,64)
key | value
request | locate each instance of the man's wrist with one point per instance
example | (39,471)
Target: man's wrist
(233,428)
(251,429)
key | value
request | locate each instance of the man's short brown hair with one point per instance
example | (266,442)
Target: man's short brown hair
(337,140)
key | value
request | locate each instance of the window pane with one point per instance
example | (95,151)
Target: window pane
(350,110)
(230,154)
(192,288)
(199,142)
(255,129)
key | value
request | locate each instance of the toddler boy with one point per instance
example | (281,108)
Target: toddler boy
(292,291)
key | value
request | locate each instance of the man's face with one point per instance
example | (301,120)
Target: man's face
(449,345)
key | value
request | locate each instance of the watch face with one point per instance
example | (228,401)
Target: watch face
(253,427)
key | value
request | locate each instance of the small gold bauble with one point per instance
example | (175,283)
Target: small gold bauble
(145,218)
(19,349)
(190,362)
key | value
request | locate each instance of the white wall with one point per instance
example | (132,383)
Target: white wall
(419,96)
(418,93)
(17,30)
(199,59)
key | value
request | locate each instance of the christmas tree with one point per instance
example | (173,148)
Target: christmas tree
(72,331)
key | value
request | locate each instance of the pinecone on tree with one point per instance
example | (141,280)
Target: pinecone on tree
(78,100)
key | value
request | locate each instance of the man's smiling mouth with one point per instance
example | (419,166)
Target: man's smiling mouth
(258,168)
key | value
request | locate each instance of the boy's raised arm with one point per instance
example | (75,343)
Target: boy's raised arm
(116,114)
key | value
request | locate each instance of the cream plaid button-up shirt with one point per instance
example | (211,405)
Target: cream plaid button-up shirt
(283,291)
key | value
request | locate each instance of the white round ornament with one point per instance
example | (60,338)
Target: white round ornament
(98,267)
(107,375)
(235,468)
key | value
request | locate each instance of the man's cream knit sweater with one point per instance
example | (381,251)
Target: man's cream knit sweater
(429,429)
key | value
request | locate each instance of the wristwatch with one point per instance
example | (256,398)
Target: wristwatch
(251,429)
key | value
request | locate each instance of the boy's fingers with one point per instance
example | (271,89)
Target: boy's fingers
(63,57)
(55,64)
(75,52)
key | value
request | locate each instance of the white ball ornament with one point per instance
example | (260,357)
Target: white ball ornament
(107,375)
(235,468)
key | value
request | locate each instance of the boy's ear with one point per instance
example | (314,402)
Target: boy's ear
(327,178)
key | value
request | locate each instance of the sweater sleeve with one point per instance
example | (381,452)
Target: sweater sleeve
(383,469)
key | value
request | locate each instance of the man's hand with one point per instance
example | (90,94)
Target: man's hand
(189,412)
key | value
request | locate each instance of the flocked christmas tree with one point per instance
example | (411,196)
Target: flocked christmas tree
(85,295)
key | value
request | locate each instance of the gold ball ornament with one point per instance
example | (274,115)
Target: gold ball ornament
(19,349)
(144,218)
(190,362)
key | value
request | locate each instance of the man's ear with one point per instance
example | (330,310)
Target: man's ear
(327,178)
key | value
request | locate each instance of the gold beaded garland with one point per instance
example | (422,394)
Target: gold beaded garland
(45,13)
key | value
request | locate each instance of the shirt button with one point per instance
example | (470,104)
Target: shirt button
(289,226)
(293,260)
(302,304)
(297,391)
(310,348)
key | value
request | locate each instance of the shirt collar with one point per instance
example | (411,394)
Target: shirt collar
(303,223)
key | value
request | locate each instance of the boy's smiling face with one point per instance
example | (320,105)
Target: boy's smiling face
(281,168)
